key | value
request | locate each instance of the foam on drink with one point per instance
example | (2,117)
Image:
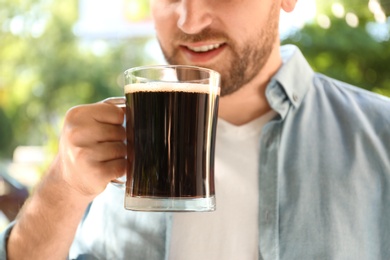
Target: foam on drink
(172,87)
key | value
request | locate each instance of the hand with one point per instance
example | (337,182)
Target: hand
(92,149)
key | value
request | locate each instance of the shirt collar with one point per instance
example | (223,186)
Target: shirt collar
(290,84)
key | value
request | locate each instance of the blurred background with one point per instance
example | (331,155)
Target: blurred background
(58,54)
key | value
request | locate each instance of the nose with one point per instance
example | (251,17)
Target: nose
(194,16)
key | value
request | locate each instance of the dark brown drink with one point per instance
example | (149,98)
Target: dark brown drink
(171,136)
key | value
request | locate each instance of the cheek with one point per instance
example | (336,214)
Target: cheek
(164,35)
(165,23)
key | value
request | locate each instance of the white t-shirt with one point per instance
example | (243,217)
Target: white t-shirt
(230,232)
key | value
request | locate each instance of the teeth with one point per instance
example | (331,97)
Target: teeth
(204,48)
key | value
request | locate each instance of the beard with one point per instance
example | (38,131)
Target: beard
(246,59)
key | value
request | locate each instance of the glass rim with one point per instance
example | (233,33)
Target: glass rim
(167,66)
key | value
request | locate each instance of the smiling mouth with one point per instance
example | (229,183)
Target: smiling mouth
(204,48)
(202,54)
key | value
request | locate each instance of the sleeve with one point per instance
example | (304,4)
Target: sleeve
(3,240)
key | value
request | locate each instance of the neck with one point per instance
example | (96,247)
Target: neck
(249,102)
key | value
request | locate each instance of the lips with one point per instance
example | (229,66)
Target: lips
(202,53)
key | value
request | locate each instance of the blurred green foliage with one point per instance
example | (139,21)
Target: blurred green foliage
(357,53)
(45,69)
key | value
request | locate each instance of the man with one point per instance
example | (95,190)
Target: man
(302,160)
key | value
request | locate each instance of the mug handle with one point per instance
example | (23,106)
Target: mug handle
(119,102)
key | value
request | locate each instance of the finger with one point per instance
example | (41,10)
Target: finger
(100,112)
(92,178)
(94,134)
(110,133)
(112,169)
(106,151)
(109,113)
(81,129)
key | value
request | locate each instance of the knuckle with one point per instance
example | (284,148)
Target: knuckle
(72,135)
(83,154)
(75,136)
(74,113)
(75,123)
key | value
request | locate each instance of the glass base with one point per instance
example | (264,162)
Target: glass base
(170,204)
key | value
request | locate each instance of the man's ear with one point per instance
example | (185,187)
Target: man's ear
(288,5)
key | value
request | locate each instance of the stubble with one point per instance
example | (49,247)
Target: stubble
(246,59)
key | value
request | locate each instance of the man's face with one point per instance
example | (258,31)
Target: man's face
(233,37)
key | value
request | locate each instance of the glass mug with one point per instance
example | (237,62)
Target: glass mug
(171,117)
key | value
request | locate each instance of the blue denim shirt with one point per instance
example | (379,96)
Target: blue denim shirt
(324,180)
